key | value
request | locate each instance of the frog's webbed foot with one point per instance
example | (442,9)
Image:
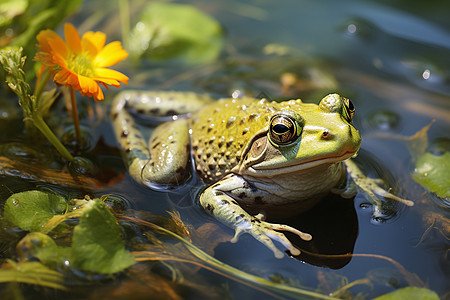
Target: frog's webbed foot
(219,201)
(266,233)
(370,186)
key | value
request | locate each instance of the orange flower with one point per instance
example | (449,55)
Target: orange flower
(81,62)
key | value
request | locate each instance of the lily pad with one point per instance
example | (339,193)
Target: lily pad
(30,210)
(410,293)
(170,30)
(97,245)
(432,172)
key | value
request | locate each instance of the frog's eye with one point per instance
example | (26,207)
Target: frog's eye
(284,129)
(348,110)
(334,103)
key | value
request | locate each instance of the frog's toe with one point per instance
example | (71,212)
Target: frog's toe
(304,236)
(238,232)
(389,195)
(266,233)
(277,236)
(266,239)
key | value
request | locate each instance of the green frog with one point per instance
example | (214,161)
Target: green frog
(259,159)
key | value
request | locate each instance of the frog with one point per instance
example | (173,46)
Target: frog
(259,159)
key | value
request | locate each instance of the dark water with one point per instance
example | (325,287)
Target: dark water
(391,58)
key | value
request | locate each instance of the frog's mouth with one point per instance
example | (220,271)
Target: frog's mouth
(274,167)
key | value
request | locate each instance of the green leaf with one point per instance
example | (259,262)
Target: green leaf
(9,9)
(31,273)
(169,30)
(410,293)
(431,172)
(97,245)
(41,15)
(36,244)
(30,210)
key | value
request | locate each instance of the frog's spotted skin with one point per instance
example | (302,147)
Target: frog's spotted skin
(259,158)
(168,147)
(218,139)
(157,105)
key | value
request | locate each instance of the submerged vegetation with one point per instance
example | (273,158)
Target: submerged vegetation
(64,231)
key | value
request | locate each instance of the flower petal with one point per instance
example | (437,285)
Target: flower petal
(59,60)
(89,47)
(90,88)
(110,55)
(64,77)
(58,46)
(72,38)
(111,74)
(106,81)
(46,35)
(97,39)
(87,85)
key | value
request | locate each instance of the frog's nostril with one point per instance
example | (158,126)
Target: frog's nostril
(326,135)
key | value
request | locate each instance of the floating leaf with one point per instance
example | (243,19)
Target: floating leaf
(43,247)
(432,172)
(97,245)
(410,293)
(30,210)
(169,30)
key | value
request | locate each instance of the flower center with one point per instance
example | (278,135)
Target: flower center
(81,64)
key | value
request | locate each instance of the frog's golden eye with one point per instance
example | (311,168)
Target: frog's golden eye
(348,110)
(284,129)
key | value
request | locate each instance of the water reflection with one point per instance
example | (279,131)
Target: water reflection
(333,223)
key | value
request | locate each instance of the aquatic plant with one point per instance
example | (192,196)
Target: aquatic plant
(33,105)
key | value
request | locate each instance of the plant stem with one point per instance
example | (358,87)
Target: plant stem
(76,121)
(41,84)
(42,126)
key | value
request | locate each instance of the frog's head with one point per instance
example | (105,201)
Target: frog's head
(307,136)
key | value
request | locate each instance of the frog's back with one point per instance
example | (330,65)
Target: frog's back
(221,131)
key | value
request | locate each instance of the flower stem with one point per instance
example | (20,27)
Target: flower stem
(42,126)
(76,121)
(41,84)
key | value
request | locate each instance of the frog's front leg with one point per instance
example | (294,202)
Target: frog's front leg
(163,160)
(220,200)
(369,186)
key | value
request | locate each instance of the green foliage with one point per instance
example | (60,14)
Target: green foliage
(28,17)
(13,62)
(43,247)
(30,210)
(410,293)
(97,245)
(432,172)
(10,9)
(34,106)
(31,273)
(169,30)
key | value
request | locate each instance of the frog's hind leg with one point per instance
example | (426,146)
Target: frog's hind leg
(161,162)
(161,106)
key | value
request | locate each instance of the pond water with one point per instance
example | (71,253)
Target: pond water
(391,58)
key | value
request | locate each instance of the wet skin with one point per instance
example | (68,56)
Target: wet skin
(259,158)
